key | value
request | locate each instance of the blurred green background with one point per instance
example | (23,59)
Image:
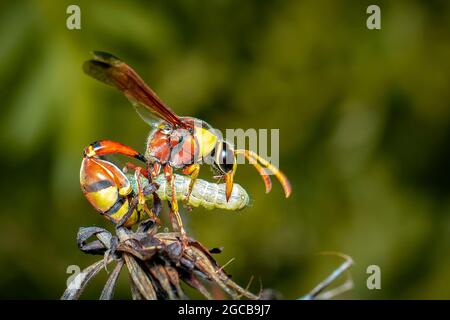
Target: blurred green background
(364,119)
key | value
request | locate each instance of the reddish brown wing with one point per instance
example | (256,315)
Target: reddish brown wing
(112,71)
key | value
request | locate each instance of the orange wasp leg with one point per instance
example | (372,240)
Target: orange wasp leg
(137,177)
(173,204)
(154,213)
(192,170)
(154,169)
(152,173)
(141,194)
(132,166)
(150,189)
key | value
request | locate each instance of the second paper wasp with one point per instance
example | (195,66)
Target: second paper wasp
(180,143)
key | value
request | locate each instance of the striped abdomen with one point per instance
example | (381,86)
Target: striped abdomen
(107,189)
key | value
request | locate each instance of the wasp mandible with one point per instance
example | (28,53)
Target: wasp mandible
(174,142)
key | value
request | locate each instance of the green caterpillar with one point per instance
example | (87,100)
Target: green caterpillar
(205,194)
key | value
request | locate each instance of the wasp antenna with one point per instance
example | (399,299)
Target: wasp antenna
(258,167)
(264,176)
(280,175)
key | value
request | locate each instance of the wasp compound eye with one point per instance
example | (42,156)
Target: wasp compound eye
(224,157)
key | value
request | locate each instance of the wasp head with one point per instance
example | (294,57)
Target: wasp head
(224,162)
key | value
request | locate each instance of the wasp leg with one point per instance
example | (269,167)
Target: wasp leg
(152,172)
(133,205)
(132,166)
(154,169)
(168,173)
(156,209)
(147,190)
(140,193)
(192,170)
(104,147)
(173,205)
(150,214)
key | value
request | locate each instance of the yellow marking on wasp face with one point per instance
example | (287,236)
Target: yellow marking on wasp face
(103,199)
(206,141)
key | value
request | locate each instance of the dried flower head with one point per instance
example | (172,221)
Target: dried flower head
(158,262)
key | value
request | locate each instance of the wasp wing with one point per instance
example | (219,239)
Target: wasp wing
(111,70)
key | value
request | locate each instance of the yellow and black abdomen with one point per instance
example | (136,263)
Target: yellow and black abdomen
(108,190)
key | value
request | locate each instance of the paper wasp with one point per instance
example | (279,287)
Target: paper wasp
(174,142)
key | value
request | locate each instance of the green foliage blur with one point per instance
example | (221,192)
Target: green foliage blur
(364,119)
